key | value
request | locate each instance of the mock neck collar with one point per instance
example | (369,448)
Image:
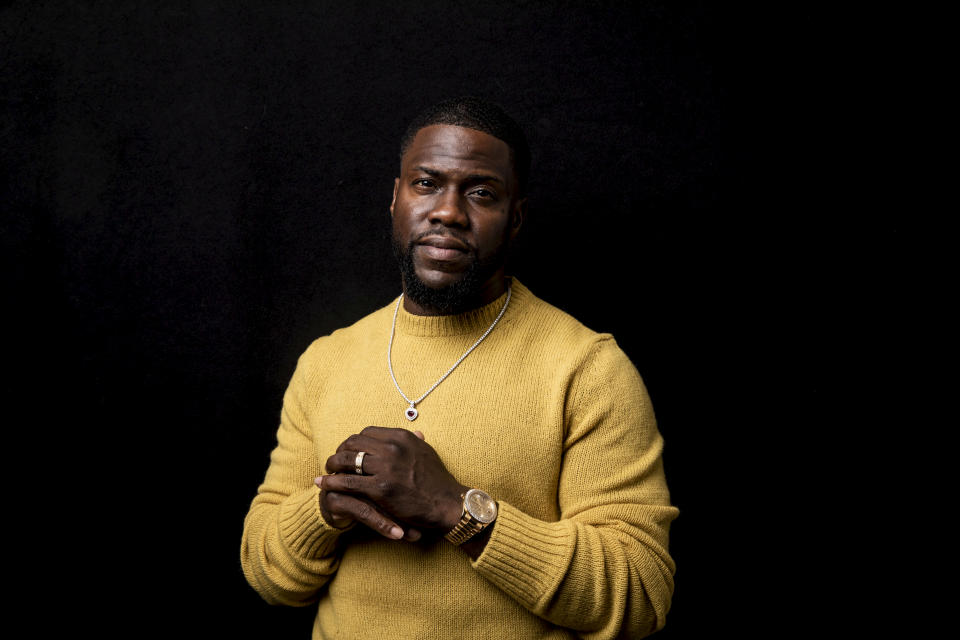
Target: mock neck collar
(474,321)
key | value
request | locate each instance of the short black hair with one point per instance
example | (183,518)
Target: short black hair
(482,115)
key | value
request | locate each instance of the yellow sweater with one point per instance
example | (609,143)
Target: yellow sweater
(547,416)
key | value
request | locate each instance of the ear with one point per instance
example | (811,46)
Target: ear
(517,214)
(396,185)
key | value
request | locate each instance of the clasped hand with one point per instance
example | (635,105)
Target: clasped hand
(405,486)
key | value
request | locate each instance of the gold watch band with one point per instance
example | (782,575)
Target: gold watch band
(465,529)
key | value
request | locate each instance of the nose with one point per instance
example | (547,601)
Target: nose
(449,210)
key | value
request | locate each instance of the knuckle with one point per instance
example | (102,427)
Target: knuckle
(364,511)
(383,487)
(393,448)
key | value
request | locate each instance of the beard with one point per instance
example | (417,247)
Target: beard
(458,296)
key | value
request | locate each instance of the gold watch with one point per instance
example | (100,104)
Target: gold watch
(479,510)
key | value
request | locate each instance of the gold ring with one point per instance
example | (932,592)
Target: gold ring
(358,463)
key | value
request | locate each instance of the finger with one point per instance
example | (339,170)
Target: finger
(420,435)
(350,483)
(412,535)
(360,442)
(387,434)
(331,519)
(346,462)
(344,505)
(337,522)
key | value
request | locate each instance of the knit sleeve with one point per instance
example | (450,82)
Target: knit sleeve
(603,568)
(288,550)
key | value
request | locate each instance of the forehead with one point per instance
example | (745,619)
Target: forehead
(450,148)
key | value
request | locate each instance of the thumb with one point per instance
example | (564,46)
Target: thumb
(420,435)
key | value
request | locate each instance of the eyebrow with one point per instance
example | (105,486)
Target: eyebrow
(473,177)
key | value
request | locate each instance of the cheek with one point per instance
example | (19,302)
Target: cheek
(405,215)
(401,220)
(493,235)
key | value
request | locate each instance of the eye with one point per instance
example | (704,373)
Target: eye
(424,183)
(485,194)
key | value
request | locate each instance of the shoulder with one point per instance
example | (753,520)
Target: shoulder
(363,335)
(592,363)
(560,333)
(603,392)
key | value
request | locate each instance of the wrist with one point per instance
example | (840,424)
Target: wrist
(475,545)
(453,509)
(479,511)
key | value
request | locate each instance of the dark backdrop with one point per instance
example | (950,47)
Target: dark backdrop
(192,192)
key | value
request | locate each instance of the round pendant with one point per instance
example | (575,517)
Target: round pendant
(411,414)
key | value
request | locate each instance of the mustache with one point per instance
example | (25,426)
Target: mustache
(445,233)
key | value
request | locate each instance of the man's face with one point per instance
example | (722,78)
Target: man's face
(455,210)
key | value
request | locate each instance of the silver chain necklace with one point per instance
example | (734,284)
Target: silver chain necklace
(411,413)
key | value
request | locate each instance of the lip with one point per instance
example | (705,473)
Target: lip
(442,248)
(443,242)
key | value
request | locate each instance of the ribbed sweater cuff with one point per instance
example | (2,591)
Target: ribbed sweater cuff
(303,528)
(526,557)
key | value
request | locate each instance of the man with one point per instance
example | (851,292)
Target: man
(530,501)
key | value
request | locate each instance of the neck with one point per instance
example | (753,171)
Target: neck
(490,291)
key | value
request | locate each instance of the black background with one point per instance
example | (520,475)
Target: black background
(192,192)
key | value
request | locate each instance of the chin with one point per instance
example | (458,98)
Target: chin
(446,292)
(438,280)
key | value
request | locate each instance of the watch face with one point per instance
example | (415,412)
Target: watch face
(481,506)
